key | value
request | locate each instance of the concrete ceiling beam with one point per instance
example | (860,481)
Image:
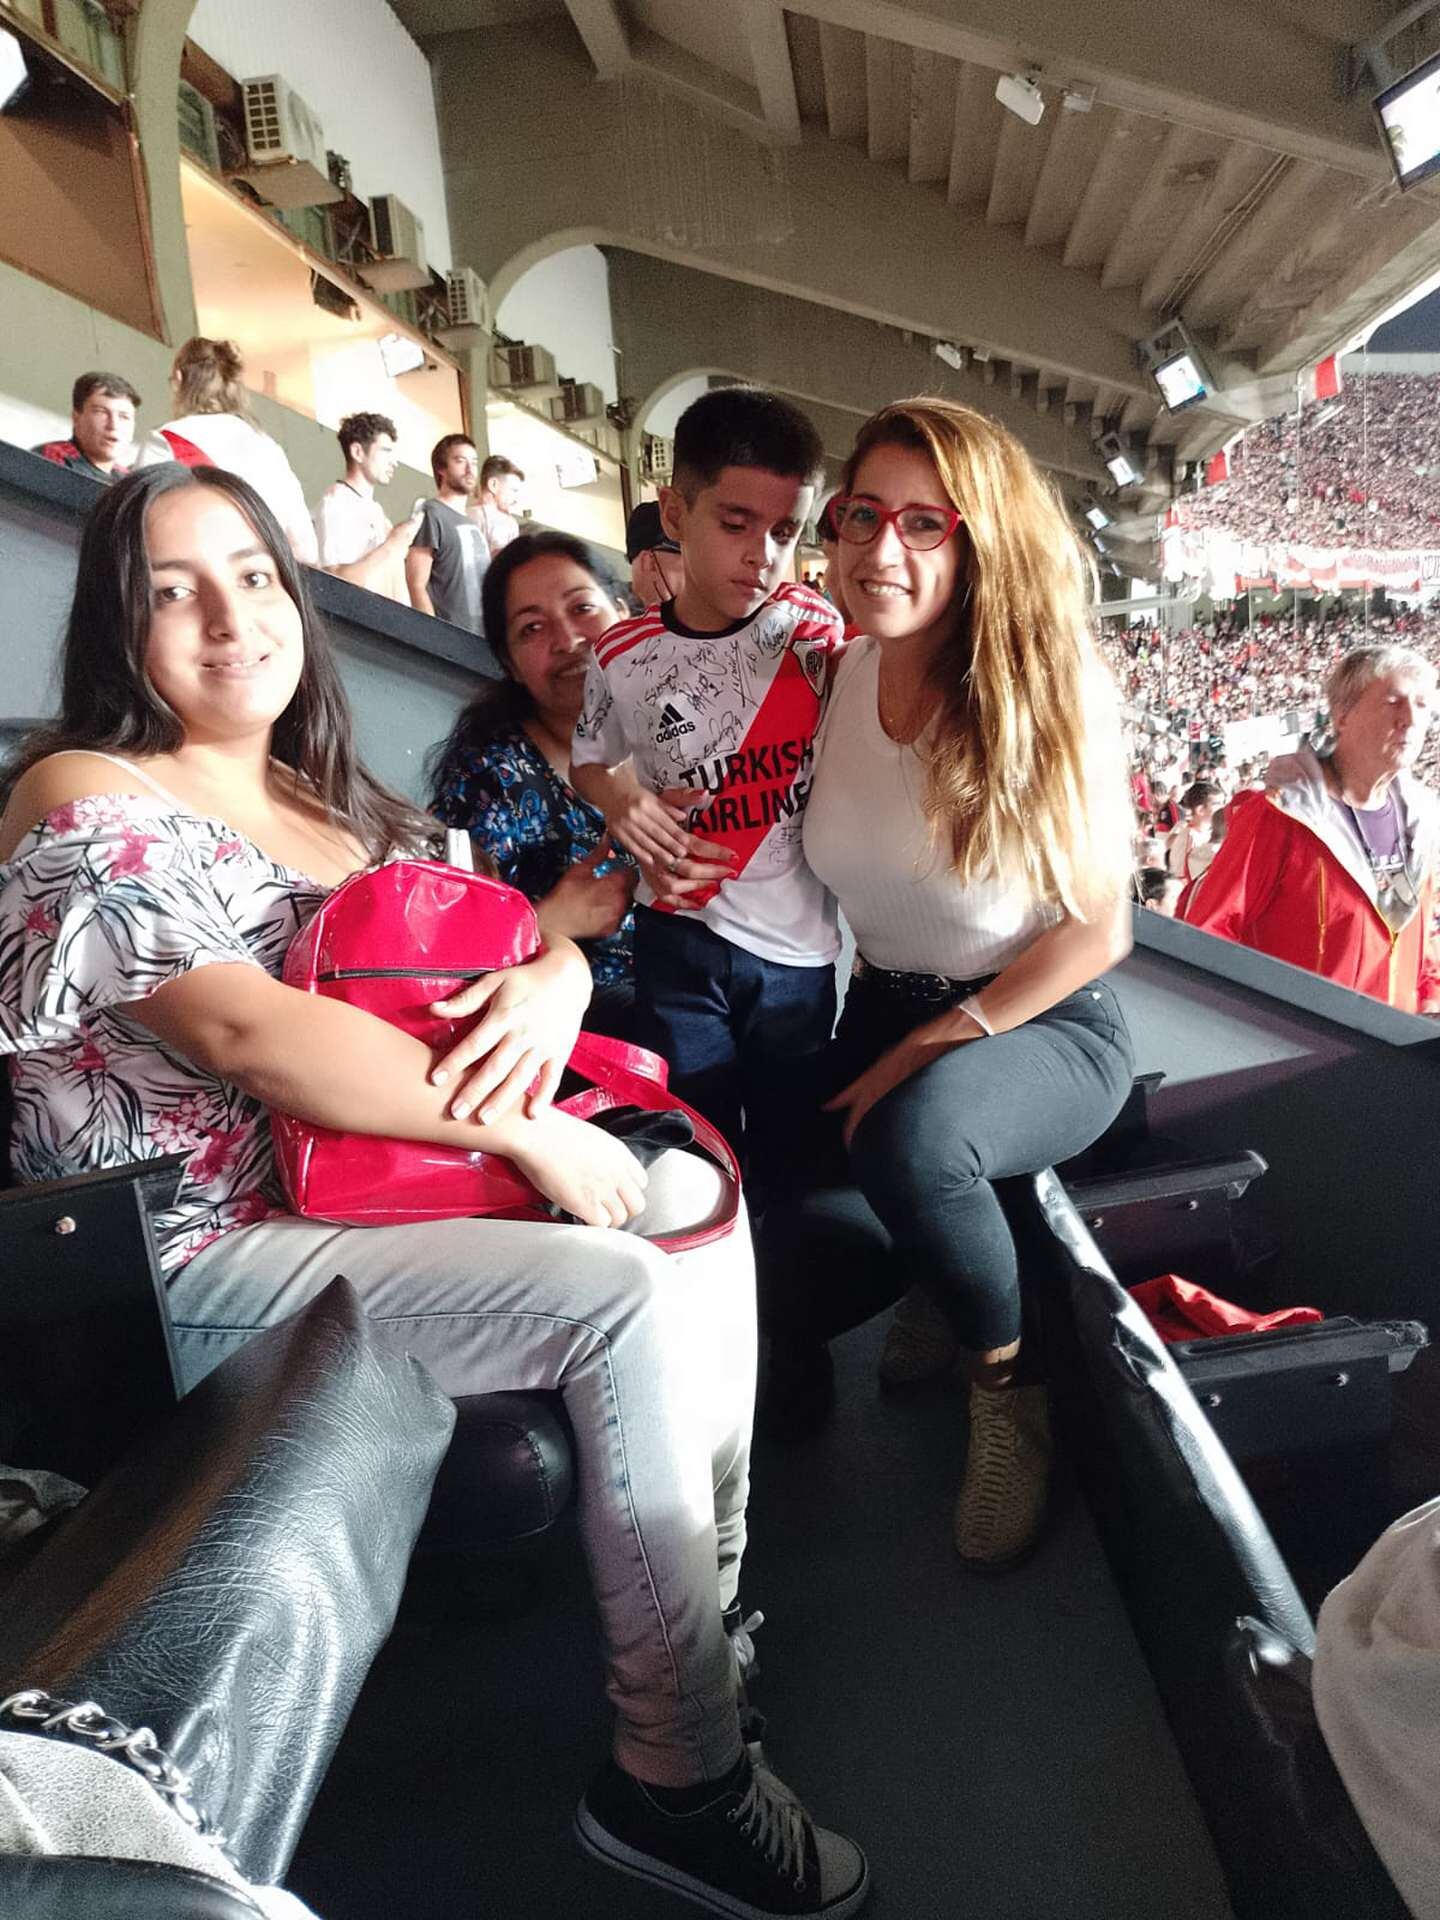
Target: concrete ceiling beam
(842,61)
(1246,69)
(933,84)
(601,26)
(887,100)
(675,69)
(1352,284)
(764,23)
(788,218)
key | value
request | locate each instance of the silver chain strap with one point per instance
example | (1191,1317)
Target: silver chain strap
(85,1723)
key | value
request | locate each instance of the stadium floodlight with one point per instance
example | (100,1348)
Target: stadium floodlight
(14,73)
(1097,516)
(952,355)
(1408,113)
(1019,94)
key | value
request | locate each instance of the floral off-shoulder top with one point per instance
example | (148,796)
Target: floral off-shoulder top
(103,902)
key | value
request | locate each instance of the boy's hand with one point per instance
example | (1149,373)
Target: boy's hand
(652,826)
(698,865)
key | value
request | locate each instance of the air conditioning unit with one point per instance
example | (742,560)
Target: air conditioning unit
(522,366)
(467,303)
(399,239)
(600,435)
(198,133)
(286,146)
(577,400)
(467,297)
(657,459)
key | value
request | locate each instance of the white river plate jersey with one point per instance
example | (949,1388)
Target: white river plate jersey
(735,715)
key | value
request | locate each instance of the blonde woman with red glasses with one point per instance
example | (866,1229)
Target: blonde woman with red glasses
(970,814)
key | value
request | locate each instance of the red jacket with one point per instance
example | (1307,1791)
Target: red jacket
(1288,880)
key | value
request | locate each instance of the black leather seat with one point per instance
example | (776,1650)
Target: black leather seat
(90,1361)
(227,1585)
(1193,1557)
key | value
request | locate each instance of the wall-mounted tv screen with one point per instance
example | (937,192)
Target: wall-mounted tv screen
(1180,380)
(1409,116)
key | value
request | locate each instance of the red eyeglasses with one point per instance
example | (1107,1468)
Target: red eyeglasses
(857,520)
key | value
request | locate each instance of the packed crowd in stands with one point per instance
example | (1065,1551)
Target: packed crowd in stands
(1226,671)
(1361,467)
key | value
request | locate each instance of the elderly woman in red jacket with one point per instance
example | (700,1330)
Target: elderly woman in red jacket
(1332,866)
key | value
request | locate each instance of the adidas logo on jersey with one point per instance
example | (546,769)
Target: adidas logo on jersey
(672,724)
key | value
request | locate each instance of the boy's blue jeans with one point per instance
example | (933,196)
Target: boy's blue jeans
(735,1029)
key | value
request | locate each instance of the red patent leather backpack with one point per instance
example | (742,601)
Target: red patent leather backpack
(392,940)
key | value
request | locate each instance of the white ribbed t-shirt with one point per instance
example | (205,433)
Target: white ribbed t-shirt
(867,838)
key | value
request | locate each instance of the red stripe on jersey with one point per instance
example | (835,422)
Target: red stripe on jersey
(820,621)
(628,633)
(789,711)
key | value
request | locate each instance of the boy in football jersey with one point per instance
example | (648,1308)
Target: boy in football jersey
(713,699)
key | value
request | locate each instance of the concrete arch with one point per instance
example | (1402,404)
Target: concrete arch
(656,394)
(833,421)
(504,280)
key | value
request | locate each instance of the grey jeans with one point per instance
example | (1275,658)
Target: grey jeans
(655,1357)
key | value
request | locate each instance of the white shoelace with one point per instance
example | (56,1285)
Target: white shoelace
(774,1824)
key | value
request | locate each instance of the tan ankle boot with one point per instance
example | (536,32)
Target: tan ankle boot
(920,1344)
(1007,1471)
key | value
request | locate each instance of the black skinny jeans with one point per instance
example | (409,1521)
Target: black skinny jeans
(914,1199)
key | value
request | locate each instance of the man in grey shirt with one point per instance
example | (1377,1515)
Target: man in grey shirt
(446,564)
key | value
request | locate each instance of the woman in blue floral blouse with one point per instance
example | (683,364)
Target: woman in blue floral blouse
(504,773)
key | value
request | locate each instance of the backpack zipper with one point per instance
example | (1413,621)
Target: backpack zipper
(402,973)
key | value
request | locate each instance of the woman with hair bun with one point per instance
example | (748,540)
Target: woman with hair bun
(214,427)
(970,814)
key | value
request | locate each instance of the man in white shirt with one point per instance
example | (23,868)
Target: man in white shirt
(498,501)
(355,537)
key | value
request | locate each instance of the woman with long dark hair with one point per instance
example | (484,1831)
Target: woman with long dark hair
(162,843)
(504,773)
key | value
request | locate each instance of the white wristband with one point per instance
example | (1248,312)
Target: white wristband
(973,1008)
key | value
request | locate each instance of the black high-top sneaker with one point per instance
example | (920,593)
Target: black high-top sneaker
(747,1849)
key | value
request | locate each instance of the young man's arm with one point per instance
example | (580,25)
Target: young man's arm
(377,569)
(419,563)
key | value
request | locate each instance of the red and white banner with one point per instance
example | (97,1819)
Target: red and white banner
(1321,382)
(1223,565)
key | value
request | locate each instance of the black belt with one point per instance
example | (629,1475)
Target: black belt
(915,986)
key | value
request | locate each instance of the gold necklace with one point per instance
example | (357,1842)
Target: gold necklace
(903,732)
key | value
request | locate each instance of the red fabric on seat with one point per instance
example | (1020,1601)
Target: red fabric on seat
(1180,1310)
